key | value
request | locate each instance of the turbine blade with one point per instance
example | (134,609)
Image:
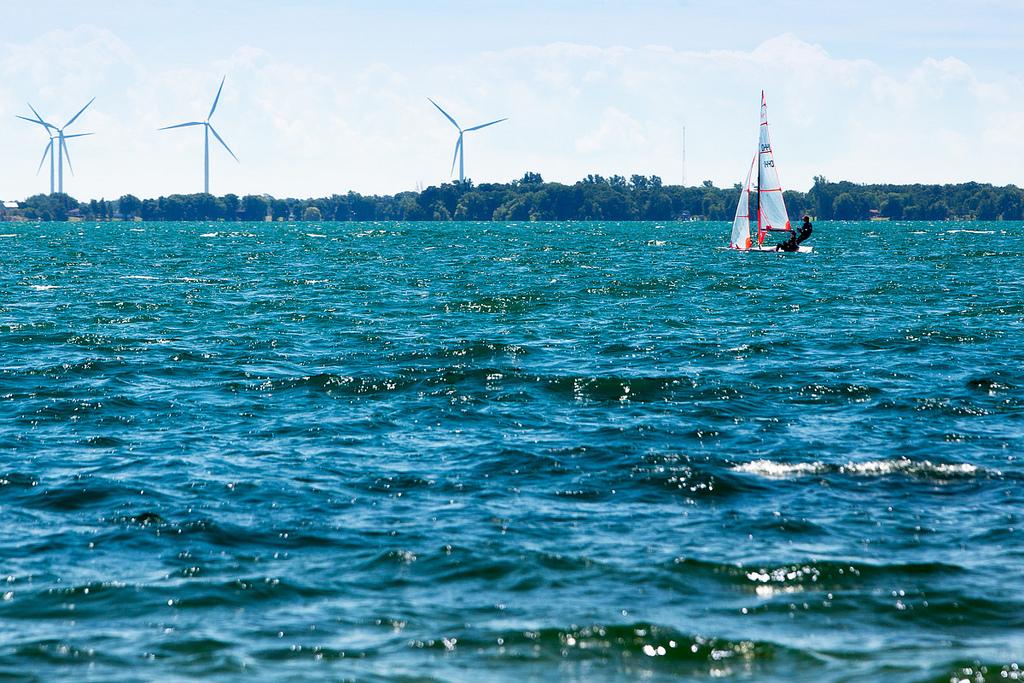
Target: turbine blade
(221,141)
(67,155)
(79,112)
(458,146)
(217,98)
(445,114)
(39,119)
(486,124)
(35,121)
(42,161)
(78,135)
(183,125)
(34,111)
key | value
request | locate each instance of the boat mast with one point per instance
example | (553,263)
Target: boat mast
(760,234)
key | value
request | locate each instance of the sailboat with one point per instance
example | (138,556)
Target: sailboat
(771,206)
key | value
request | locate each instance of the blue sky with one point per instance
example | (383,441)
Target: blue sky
(324,96)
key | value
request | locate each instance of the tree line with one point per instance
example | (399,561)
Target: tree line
(532,199)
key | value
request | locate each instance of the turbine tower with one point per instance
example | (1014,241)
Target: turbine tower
(459,145)
(62,146)
(208,128)
(48,151)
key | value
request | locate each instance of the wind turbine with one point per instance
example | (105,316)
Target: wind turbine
(459,145)
(62,146)
(208,128)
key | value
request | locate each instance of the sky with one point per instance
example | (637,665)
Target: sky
(324,97)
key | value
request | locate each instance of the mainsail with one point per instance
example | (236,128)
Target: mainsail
(771,208)
(740,238)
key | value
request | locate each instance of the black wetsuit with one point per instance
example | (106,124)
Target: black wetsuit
(789,245)
(805,232)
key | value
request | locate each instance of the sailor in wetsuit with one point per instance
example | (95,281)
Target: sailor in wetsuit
(805,231)
(795,239)
(790,244)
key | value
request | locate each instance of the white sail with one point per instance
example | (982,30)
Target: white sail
(771,211)
(740,238)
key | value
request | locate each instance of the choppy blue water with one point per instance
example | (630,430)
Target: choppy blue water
(510,452)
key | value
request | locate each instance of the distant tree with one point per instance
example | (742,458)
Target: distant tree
(710,205)
(231,207)
(530,198)
(638,182)
(409,208)
(173,208)
(49,207)
(986,210)
(441,212)
(845,208)
(517,209)
(822,196)
(335,208)
(892,206)
(129,206)
(150,210)
(938,211)
(913,212)
(1010,204)
(206,207)
(658,208)
(254,208)
(280,210)
(312,213)
(363,208)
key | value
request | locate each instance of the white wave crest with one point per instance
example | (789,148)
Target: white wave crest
(781,470)
(867,468)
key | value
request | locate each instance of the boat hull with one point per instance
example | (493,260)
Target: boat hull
(771,249)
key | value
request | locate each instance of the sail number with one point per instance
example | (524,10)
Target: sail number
(769,163)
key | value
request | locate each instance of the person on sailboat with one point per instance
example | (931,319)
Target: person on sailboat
(796,239)
(791,244)
(805,231)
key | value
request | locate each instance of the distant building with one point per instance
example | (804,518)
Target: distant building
(6,208)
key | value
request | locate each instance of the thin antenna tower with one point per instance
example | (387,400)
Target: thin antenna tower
(684,156)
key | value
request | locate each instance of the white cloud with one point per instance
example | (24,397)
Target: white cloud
(616,133)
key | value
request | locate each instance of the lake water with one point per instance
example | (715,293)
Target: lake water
(580,451)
